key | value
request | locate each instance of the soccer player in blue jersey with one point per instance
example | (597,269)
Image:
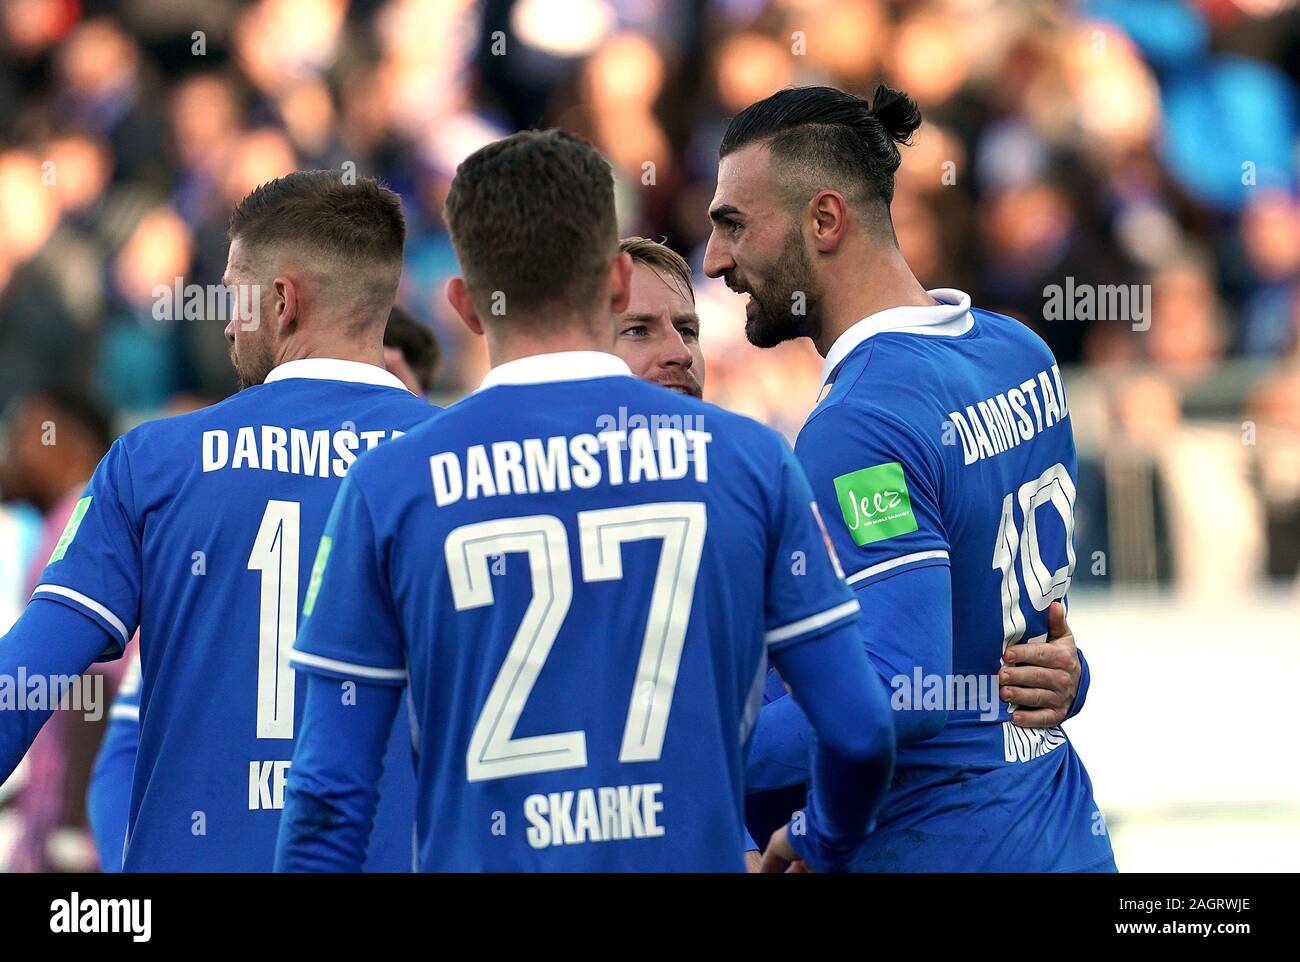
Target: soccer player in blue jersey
(410,355)
(581,577)
(108,795)
(942,456)
(195,529)
(658,337)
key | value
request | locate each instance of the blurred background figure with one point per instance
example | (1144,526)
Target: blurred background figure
(1142,147)
(410,351)
(50,442)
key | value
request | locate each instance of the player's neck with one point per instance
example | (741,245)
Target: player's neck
(369,352)
(515,346)
(882,281)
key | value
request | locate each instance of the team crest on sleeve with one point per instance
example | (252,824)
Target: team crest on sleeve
(875,503)
(826,536)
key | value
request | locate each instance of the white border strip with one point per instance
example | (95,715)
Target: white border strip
(125,711)
(811,623)
(335,369)
(345,667)
(896,563)
(86,602)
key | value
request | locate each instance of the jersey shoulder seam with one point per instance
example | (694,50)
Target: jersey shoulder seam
(875,409)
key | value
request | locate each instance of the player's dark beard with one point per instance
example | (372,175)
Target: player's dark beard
(775,319)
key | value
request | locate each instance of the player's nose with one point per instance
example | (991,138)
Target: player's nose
(717,259)
(230,330)
(676,353)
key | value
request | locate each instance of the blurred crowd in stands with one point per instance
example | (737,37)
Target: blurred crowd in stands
(1152,145)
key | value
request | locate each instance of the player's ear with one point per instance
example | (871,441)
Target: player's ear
(620,282)
(460,301)
(286,304)
(830,220)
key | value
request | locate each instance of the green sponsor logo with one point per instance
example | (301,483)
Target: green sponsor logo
(317,574)
(70,530)
(875,503)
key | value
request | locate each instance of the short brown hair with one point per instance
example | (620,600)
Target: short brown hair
(353,233)
(660,256)
(318,210)
(532,217)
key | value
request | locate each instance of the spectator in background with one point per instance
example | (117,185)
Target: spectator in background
(52,441)
(1270,240)
(410,351)
(43,323)
(1273,423)
(143,360)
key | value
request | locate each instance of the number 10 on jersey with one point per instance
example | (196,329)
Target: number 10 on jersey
(1042,585)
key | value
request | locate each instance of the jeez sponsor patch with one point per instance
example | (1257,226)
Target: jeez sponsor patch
(875,503)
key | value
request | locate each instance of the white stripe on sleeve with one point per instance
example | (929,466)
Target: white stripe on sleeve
(811,623)
(896,563)
(85,602)
(346,667)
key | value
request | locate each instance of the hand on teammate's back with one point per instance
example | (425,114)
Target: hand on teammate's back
(1042,679)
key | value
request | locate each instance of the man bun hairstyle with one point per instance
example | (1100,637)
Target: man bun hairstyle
(830,138)
(899,117)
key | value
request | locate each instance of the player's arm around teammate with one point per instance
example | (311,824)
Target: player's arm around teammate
(658,336)
(777,238)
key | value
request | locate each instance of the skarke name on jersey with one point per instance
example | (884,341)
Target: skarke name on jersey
(268,447)
(561,463)
(607,814)
(1002,422)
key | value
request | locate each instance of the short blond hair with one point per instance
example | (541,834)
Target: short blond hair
(659,256)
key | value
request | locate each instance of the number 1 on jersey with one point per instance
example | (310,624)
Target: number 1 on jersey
(275,555)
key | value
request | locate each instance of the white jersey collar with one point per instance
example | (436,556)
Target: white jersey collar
(335,369)
(558,366)
(951,317)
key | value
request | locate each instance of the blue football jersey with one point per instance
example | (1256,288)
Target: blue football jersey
(198,530)
(580,574)
(943,438)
